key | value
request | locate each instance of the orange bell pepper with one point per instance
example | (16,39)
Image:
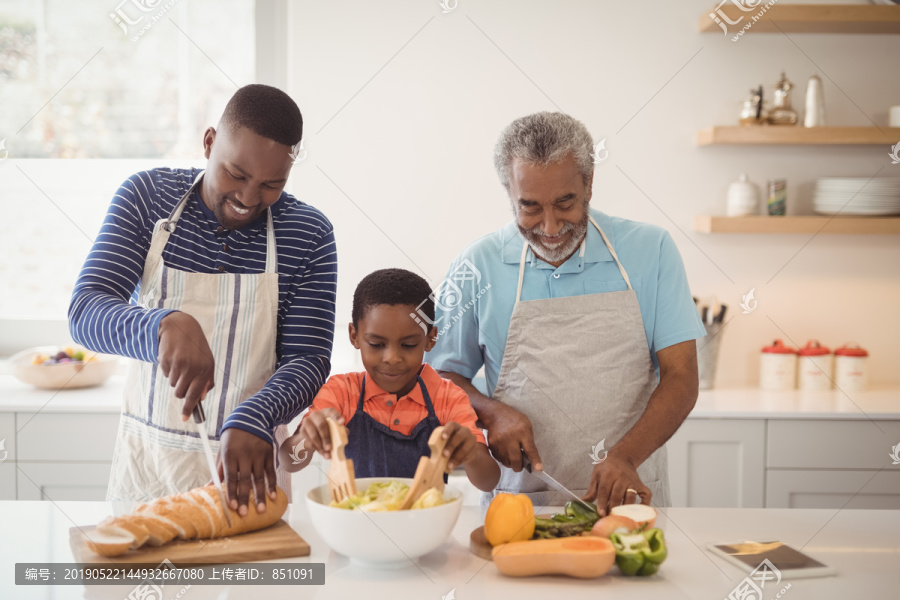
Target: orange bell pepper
(509,518)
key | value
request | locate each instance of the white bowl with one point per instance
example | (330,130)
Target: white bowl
(383,540)
(68,376)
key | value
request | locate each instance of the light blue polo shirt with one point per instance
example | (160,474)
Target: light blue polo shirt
(479,293)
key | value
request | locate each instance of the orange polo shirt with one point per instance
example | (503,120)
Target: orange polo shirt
(451,403)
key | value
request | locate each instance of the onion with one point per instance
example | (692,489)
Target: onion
(639,513)
(606,526)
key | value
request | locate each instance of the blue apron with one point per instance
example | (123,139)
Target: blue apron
(379,451)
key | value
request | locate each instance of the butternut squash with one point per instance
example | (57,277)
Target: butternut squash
(581,556)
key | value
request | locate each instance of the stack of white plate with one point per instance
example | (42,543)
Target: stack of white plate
(857,196)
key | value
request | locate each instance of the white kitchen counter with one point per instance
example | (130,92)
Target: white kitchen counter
(862,545)
(753,403)
(743,403)
(16,396)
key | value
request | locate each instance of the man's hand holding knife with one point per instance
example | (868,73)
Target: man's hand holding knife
(187,361)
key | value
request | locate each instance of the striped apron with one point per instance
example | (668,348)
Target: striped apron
(156,453)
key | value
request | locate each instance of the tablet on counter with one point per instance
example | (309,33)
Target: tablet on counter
(790,563)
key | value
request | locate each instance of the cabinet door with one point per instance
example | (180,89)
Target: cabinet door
(60,437)
(62,481)
(7,480)
(718,463)
(833,488)
(7,438)
(831,444)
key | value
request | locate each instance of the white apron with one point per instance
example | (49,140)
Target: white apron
(156,453)
(579,368)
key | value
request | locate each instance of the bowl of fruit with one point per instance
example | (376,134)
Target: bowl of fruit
(56,368)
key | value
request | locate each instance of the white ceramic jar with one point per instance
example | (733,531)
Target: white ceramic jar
(778,367)
(850,368)
(814,367)
(743,198)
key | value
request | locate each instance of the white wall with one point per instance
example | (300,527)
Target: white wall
(403,105)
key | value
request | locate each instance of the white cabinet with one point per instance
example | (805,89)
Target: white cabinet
(831,488)
(718,463)
(785,463)
(56,455)
(8,438)
(65,437)
(62,481)
(831,444)
(7,480)
(832,464)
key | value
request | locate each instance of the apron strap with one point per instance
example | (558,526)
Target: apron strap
(164,228)
(613,252)
(362,396)
(580,254)
(271,248)
(427,397)
(521,271)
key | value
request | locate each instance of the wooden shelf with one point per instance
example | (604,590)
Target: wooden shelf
(805,224)
(797,134)
(808,18)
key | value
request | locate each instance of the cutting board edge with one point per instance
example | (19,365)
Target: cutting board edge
(150,554)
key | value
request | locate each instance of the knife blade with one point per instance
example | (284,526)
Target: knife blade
(542,475)
(199,419)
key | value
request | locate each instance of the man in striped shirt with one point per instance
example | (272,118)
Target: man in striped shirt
(196,323)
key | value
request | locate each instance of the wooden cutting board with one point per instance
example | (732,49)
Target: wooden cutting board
(276,541)
(479,545)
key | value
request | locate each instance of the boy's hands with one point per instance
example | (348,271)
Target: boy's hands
(314,429)
(461,444)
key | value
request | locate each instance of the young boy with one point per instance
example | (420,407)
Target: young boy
(392,407)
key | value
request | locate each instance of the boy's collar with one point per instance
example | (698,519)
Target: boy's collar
(429,377)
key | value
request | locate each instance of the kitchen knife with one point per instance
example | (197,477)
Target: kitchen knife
(199,419)
(526,464)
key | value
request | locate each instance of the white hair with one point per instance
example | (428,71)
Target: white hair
(544,138)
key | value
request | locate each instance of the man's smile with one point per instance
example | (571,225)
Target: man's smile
(238,211)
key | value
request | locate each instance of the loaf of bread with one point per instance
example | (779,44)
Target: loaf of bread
(197,514)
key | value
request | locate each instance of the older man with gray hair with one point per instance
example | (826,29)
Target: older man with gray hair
(584,325)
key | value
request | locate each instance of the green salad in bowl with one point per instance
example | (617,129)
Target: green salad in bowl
(383,496)
(370,529)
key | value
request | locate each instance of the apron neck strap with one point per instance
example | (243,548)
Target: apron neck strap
(580,254)
(425,395)
(271,248)
(165,227)
(614,255)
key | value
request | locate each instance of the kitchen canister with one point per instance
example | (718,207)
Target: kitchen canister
(777,197)
(778,367)
(814,367)
(743,198)
(850,364)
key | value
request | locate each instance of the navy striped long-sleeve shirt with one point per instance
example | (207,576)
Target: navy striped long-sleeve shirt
(104,315)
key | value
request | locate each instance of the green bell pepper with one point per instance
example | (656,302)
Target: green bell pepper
(639,553)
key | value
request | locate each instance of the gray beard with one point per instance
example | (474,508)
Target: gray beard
(562,252)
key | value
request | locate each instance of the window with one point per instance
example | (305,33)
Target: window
(91,92)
